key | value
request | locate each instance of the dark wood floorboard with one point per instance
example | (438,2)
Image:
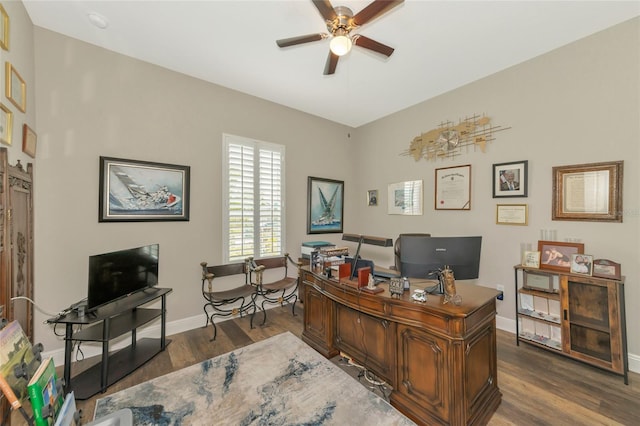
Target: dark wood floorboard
(538,387)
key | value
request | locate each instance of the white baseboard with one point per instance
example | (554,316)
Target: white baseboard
(186,324)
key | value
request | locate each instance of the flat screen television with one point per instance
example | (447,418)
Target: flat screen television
(421,256)
(117,274)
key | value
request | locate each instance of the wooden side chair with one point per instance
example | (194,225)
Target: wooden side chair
(279,291)
(224,303)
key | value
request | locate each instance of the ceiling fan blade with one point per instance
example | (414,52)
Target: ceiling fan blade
(370,44)
(373,10)
(325,9)
(285,42)
(332,63)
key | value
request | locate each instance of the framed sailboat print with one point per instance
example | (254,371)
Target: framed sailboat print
(325,205)
(135,191)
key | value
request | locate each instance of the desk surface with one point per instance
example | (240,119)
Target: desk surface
(473,296)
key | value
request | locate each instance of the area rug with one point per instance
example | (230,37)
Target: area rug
(278,381)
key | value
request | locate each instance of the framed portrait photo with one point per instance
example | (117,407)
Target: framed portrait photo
(325,205)
(372,197)
(510,179)
(556,255)
(137,191)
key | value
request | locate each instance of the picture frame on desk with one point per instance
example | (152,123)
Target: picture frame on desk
(556,255)
(325,205)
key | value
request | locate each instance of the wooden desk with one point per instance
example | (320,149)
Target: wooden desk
(439,359)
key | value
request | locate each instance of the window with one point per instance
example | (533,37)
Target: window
(253,187)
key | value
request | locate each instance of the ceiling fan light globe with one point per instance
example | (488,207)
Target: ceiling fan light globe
(340,45)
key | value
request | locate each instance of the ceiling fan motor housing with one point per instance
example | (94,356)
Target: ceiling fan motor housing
(343,21)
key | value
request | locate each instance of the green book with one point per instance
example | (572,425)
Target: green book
(46,398)
(16,351)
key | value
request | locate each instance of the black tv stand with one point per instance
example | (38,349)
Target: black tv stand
(106,323)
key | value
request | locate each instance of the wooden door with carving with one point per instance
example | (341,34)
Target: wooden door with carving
(16,246)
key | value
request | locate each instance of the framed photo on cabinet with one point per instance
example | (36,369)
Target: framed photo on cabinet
(556,255)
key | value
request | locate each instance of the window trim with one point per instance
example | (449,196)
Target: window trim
(228,139)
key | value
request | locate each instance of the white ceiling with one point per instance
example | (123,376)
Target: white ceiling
(440,45)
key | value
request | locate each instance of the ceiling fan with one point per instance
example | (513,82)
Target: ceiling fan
(340,22)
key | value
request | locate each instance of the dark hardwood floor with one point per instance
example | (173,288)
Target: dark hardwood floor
(538,388)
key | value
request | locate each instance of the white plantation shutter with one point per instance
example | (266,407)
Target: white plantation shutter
(253,187)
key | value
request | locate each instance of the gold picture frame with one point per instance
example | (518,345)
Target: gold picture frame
(6,124)
(588,192)
(29,141)
(512,214)
(15,88)
(4,29)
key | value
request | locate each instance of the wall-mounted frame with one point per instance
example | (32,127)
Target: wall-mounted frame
(405,198)
(15,88)
(588,192)
(605,268)
(29,141)
(556,255)
(325,205)
(4,29)
(137,191)
(6,124)
(372,197)
(512,214)
(510,179)
(581,264)
(453,188)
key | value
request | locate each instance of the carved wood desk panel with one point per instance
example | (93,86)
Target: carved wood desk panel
(439,359)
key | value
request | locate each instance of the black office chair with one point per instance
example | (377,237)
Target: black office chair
(396,247)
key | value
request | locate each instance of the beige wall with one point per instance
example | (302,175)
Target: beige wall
(578,104)
(567,107)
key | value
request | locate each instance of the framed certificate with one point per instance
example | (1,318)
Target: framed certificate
(453,188)
(511,214)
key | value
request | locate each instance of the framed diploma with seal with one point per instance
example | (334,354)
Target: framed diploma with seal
(453,188)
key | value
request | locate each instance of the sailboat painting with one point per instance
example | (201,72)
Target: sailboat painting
(132,191)
(325,205)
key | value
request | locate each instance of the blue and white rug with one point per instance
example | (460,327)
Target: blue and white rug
(278,381)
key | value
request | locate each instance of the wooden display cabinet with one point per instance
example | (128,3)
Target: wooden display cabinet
(584,319)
